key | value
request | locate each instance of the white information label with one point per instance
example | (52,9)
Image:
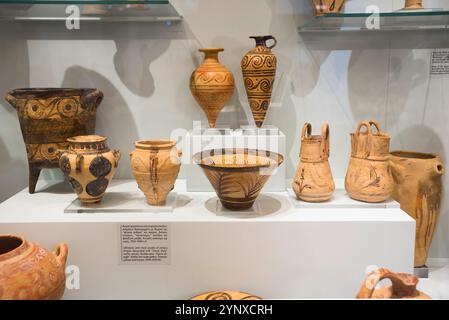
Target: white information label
(145,244)
(440,62)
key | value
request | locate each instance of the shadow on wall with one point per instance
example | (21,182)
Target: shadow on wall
(113,110)
(133,62)
(15,73)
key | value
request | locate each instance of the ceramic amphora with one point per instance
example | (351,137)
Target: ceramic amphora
(29,271)
(368,177)
(89,166)
(322,7)
(313,181)
(417,187)
(155,166)
(212,85)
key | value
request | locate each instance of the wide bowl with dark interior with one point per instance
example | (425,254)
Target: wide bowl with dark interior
(238,175)
(48,116)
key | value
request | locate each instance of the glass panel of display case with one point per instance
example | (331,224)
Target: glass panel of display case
(388,21)
(93,11)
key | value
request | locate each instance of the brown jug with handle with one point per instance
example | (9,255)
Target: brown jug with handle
(368,177)
(313,180)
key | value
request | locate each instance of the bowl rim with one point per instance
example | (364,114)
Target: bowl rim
(199,156)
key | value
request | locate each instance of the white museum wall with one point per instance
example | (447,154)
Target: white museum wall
(144,71)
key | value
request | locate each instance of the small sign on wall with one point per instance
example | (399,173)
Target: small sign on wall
(440,61)
(142,244)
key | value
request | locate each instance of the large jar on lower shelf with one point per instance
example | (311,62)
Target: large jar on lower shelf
(29,271)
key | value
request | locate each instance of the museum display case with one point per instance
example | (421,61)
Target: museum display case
(215,182)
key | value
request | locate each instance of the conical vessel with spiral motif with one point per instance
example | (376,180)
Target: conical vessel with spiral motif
(259,72)
(212,85)
(48,117)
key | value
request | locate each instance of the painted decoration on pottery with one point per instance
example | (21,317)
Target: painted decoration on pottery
(322,7)
(212,85)
(313,181)
(403,286)
(29,271)
(238,175)
(413,4)
(368,177)
(89,165)
(155,166)
(259,73)
(48,116)
(226,295)
(417,187)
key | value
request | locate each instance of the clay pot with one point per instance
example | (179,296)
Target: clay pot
(212,85)
(29,271)
(417,187)
(238,175)
(413,4)
(48,117)
(368,177)
(259,72)
(89,166)
(226,295)
(155,165)
(403,286)
(322,7)
(313,181)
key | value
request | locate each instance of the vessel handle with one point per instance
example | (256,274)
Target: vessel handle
(61,252)
(325,140)
(306,131)
(376,125)
(271,38)
(79,158)
(404,285)
(439,169)
(11,99)
(364,124)
(93,98)
(117,156)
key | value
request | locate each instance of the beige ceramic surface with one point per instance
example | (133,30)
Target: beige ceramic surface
(413,4)
(212,85)
(368,177)
(238,175)
(155,166)
(30,272)
(417,187)
(322,7)
(89,166)
(313,181)
(259,72)
(403,286)
(226,295)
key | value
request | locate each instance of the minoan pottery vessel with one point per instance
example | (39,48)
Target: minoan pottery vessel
(155,165)
(368,177)
(30,272)
(403,286)
(417,187)
(212,85)
(313,181)
(322,7)
(89,165)
(413,4)
(259,72)
(226,295)
(48,117)
(238,175)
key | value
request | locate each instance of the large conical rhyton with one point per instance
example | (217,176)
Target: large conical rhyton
(48,117)
(259,72)
(212,85)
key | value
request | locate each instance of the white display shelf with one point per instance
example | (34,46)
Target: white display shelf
(279,252)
